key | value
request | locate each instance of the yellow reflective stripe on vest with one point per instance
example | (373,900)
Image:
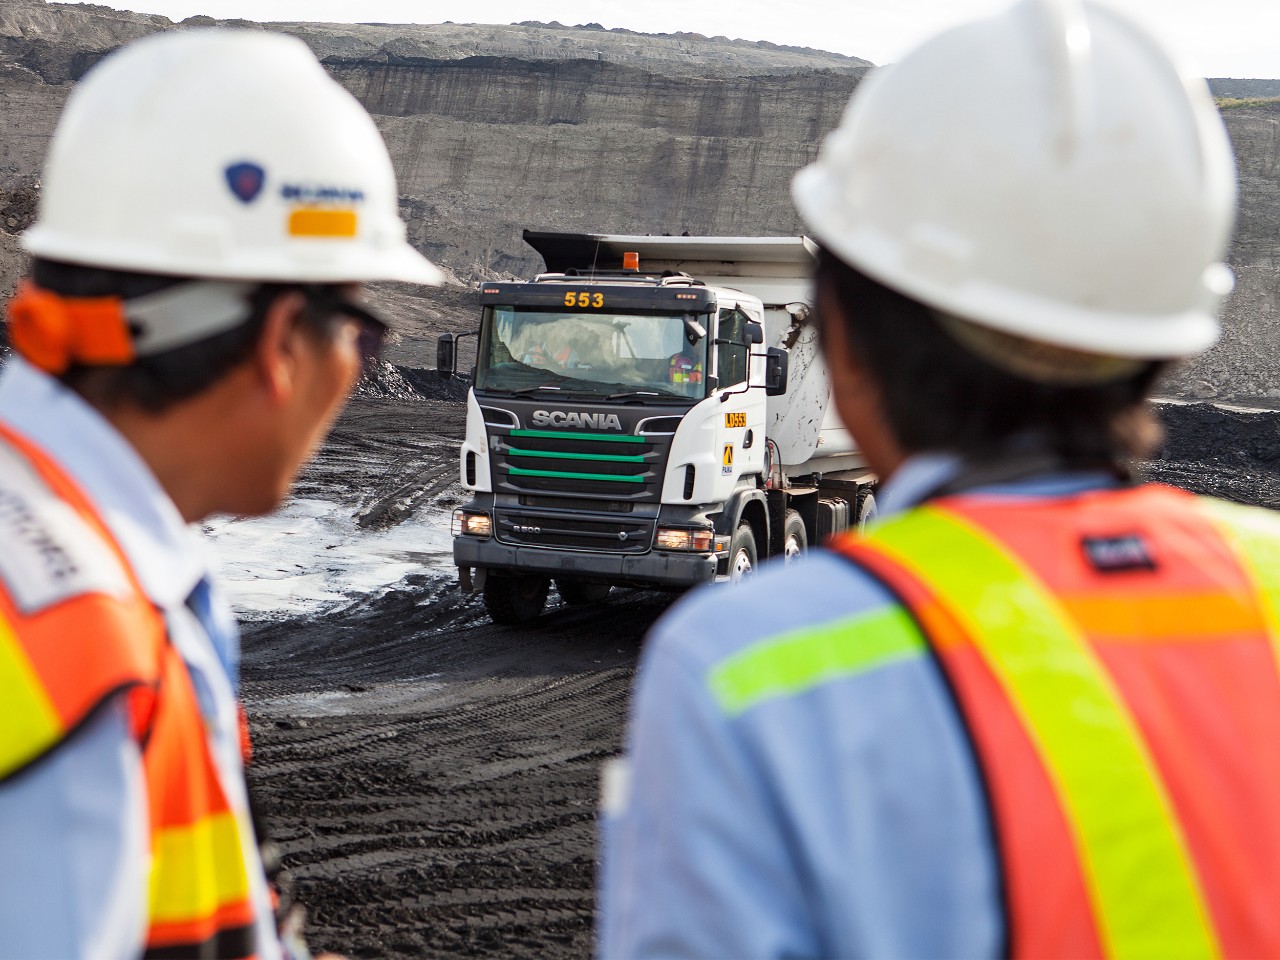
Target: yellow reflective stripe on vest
(794,662)
(1132,853)
(30,722)
(196,869)
(1256,538)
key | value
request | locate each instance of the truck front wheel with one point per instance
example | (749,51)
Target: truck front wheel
(512,600)
(742,553)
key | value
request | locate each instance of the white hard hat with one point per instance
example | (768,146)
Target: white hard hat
(222,154)
(1048,173)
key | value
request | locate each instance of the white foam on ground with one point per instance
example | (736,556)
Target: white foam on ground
(310,556)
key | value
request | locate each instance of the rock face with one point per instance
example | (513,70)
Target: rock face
(494,129)
(591,146)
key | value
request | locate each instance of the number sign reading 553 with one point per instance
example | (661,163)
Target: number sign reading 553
(582,298)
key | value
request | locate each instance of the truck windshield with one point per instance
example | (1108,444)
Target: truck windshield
(595,353)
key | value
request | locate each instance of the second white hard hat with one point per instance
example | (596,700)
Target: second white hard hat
(1048,173)
(222,154)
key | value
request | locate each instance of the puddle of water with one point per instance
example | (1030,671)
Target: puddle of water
(310,556)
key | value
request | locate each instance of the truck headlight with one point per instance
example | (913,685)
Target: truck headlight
(468,524)
(684,538)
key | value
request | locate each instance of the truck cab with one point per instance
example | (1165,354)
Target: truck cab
(618,431)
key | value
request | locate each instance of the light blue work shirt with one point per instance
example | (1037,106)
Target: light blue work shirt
(846,819)
(73,827)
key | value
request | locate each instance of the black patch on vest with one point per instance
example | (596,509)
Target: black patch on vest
(1118,554)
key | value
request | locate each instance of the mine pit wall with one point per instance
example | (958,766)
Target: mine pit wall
(495,145)
(588,130)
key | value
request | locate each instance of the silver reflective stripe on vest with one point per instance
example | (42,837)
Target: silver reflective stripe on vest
(50,553)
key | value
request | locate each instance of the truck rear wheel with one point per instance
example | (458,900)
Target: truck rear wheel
(577,592)
(795,540)
(515,599)
(742,553)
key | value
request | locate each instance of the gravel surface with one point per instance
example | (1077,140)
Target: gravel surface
(432,778)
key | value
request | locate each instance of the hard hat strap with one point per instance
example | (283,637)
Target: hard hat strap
(186,313)
(51,332)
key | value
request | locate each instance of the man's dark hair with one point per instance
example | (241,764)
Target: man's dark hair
(939,395)
(158,381)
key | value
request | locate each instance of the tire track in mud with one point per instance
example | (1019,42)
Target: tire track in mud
(465,825)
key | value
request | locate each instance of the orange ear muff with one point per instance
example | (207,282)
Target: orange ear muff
(52,332)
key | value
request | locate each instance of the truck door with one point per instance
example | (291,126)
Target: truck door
(742,421)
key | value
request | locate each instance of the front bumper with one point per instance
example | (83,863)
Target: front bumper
(653,569)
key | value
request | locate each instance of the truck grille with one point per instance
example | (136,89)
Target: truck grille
(538,528)
(618,467)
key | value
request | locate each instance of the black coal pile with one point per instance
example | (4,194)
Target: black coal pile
(18,205)
(388,381)
(431,386)
(385,381)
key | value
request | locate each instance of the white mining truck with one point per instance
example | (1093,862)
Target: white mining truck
(650,412)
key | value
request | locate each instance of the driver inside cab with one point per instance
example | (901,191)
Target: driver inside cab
(684,369)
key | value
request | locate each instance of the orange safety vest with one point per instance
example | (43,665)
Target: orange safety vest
(77,630)
(1114,657)
(684,370)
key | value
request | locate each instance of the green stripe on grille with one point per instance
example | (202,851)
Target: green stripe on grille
(795,662)
(558,455)
(521,472)
(561,435)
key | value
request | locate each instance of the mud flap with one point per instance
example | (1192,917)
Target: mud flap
(469,584)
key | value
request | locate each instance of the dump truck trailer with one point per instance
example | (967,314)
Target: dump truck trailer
(649,412)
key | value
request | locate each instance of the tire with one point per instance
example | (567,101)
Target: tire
(743,557)
(795,540)
(578,592)
(866,511)
(512,600)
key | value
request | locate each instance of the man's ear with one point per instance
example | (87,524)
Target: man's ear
(276,355)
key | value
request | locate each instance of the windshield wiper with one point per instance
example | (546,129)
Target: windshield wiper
(534,389)
(644,395)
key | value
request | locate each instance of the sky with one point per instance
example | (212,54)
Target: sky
(1216,38)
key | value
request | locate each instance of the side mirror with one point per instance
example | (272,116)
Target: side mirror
(775,372)
(754,333)
(446,355)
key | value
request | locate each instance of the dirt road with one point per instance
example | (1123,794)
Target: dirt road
(432,778)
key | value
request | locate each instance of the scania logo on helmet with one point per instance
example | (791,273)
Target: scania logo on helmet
(245,180)
(561,418)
